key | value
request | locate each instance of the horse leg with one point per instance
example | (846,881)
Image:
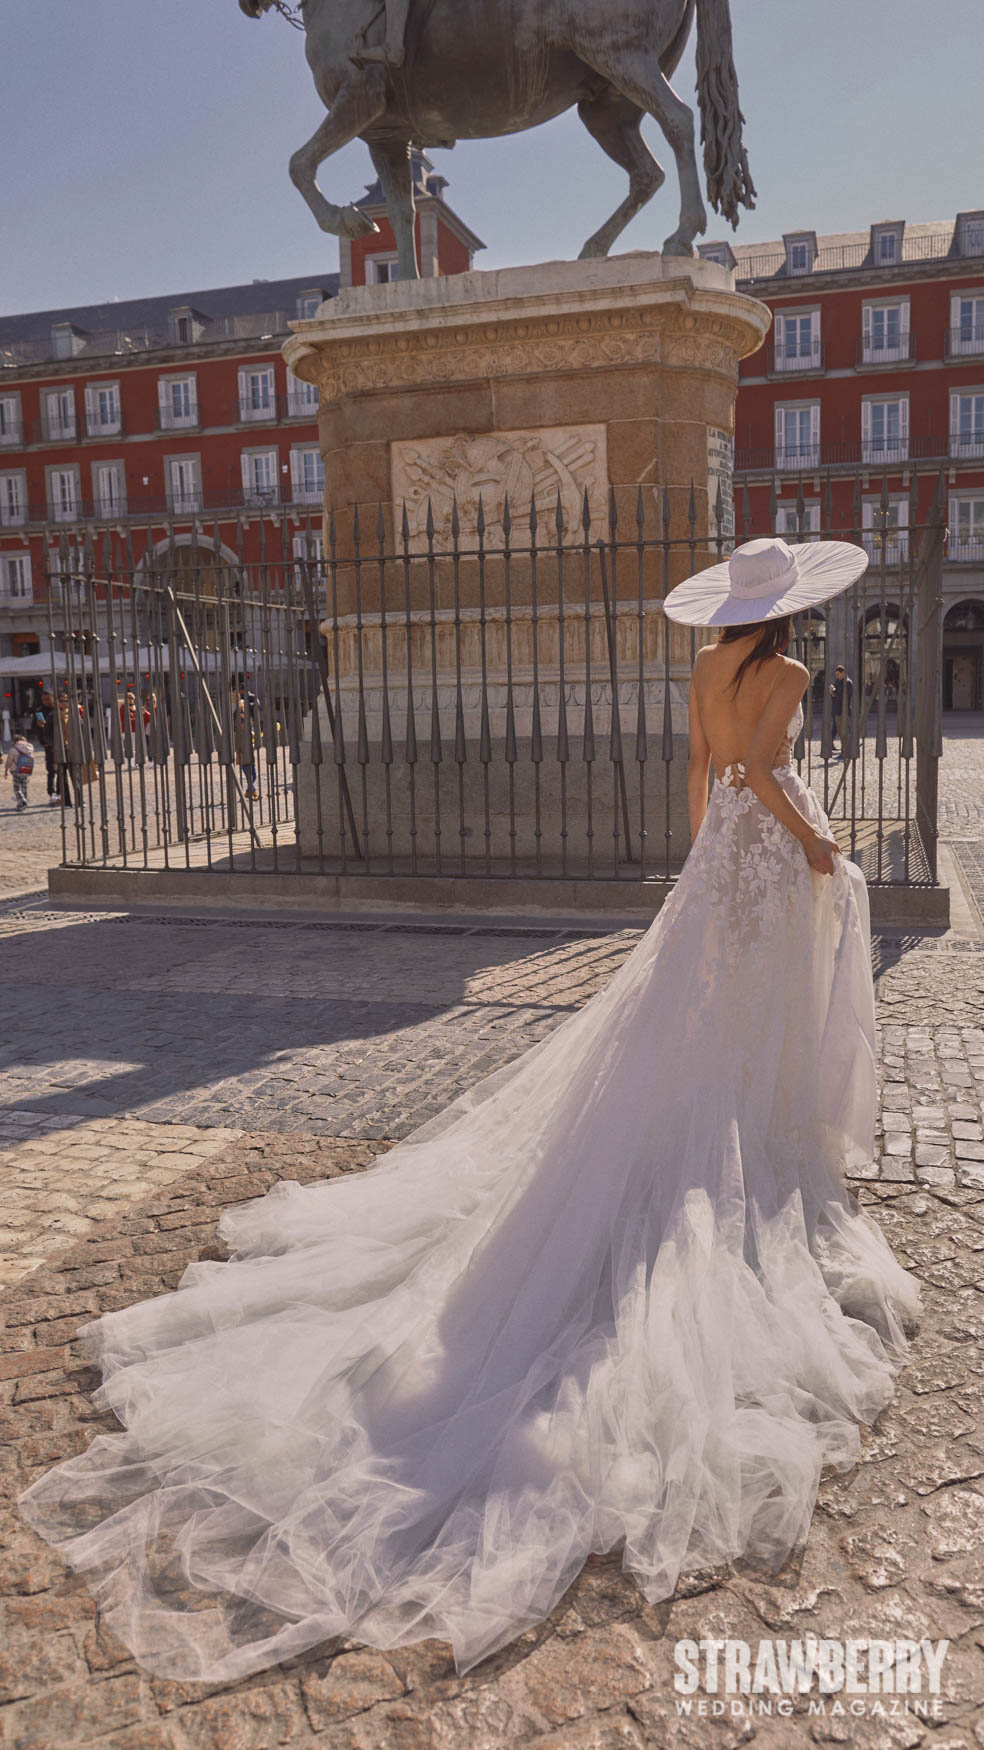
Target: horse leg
(615,123)
(357,105)
(638,77)
(391,161)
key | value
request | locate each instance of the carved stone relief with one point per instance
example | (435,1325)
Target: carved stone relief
(523,465)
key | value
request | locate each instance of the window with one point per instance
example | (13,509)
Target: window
(13,500)
(885,332)
(309,549)
(967,529)
(11,430)
(108,488)
(66,341)
(307,474)
(380,269)
(788,523)
(259,470)
(967,423)
(797,340)
(888,248)
(102,409)
(185,326)
(885,529)
(799,258)
(798,435)
(257,399)
(302,398)
(967,322)
(15,579)
(184,484)
(63,494)
(58,415)
(177,400)
(885,429)
(308,304)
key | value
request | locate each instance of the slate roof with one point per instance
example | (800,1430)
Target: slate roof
(213,303)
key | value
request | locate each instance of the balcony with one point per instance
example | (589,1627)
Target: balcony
(965,342)
(261,410)
(965,549)
(895,349)
(806,356)
(13,514)
(894,545)
(967,446)
(56,429)
(103,423)
(877,454)
(12,434)
(184,419)
(298,406)
(17,598)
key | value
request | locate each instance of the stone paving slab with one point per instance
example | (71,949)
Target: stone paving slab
(894,1547)
(62,1175)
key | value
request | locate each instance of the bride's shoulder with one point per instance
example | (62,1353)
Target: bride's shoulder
(791,667)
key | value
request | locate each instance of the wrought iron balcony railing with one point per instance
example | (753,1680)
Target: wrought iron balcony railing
(966,341)
(803,356)
(889,349)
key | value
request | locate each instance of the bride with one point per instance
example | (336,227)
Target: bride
(617,1294)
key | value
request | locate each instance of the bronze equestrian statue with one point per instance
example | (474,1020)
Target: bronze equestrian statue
(402,73)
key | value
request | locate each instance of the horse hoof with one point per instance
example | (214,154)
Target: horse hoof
(353,222)
(675,245)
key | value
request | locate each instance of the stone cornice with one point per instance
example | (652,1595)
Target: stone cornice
(566,315)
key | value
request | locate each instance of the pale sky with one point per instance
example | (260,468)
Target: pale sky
(146,143)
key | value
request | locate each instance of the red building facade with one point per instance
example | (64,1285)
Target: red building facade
(170,422)
(870,382)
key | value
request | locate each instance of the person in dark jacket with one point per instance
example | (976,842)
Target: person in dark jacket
(44,720)
(842,692)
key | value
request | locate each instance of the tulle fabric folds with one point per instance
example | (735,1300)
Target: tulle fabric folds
(618,1293)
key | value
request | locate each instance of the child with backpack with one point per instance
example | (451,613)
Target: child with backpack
(19,766)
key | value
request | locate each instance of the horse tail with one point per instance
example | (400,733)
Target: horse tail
(729,182)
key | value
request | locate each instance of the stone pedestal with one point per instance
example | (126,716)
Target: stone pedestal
(562,384)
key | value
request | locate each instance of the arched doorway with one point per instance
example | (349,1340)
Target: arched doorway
(963,656)
(883,650)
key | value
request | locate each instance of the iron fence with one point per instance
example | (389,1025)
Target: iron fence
(420,701)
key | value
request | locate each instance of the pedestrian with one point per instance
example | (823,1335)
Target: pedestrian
(129,720)
(19,766)
(842,692)
(69,768)
(244,719)
(44,719)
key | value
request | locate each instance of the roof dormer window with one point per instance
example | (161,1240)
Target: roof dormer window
(185,325)
(969,236)
(886,243)
(309,303)
(801,251)
(66,340)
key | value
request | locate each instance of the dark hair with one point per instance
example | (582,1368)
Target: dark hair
(773,638)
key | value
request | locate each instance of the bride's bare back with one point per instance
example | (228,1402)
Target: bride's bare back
(730,719)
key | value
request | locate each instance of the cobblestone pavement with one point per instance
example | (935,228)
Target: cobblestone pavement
(172,1067)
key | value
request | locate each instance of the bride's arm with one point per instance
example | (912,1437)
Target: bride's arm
(759,776)
(698,766)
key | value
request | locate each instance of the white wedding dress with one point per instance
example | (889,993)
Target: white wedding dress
(618,1291)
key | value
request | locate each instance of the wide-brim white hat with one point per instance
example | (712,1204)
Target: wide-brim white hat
(764,579)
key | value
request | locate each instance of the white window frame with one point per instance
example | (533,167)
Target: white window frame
(309,548)
(266,411)
(169,419)
(374,263)
(302,398)
(891,255)
(96,424)
(795,359)
(969,547)
(63,508)
(787,520)
(973,443)
(896,533)
(64,428)
(116,505)
(253,492)
(184,498)
(308,304)
(17,565)
(873,453)
(303,491)
(11,422)
(800,459)
(974,344)
(898,352)
(13,498)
